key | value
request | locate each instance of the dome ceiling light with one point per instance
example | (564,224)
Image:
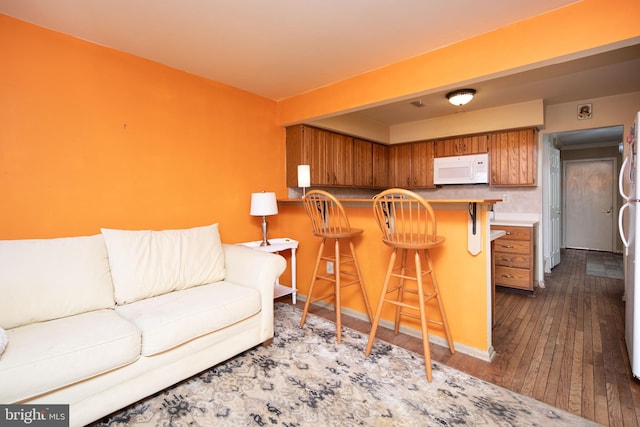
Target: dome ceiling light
(461,96)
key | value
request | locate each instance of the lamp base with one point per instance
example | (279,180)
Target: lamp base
(265,242)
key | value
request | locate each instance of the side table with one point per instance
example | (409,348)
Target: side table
(278,245)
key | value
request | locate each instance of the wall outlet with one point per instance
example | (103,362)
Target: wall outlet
(329,267)
(505,198)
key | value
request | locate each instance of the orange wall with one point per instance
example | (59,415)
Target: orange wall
(91,137)
(581,26)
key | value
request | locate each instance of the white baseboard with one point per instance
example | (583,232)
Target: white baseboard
(487,356)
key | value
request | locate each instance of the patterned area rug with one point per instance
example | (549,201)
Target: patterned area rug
(305,379)
(605,264)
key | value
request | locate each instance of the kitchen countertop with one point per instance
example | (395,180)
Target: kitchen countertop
(514,222)
(496,234)
(370,200)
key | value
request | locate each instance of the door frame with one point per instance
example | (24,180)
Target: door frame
(614,198)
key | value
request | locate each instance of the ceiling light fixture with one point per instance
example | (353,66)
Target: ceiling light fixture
(461,96)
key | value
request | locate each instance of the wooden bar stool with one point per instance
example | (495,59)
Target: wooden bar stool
(408,224)
(329,221)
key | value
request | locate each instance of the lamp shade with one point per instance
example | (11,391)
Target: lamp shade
(263,204)
(304,176)
(461,96)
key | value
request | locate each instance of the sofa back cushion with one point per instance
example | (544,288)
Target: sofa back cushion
(44,279)
(147,263)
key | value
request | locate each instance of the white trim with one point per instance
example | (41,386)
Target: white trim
(487,356)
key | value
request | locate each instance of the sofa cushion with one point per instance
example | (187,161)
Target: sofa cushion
(169,320)
(39,276)
(147,263)
(49,355)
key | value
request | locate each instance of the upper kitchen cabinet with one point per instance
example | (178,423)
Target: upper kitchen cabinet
(513,157)
(399,165)
(411,165)
(369,164)
(462,145)
(422,164)
(380,166)
(329,154)
(298,152)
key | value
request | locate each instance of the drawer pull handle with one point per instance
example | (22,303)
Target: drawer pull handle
(507,246)
(507,276)
(507,259)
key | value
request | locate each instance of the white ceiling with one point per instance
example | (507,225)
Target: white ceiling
(282,48)
(278,48)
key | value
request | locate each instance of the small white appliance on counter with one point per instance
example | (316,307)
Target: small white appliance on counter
(629,233)
(469,169)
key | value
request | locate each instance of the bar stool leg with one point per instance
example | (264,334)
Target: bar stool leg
(436,290)
(423,318)
(383,293)
(337,305)
(362,288)
(400,296)
(313,281)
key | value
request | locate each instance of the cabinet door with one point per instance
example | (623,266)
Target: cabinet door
(513,158)
(400,165)
(380,162)
(317,140)
(339,159)
(298,153)
(463,145)
(362,163)
(422,164)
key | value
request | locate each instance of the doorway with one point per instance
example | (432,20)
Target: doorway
(589,204)
(585,144)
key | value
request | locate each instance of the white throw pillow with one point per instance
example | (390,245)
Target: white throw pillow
(147,263)
(4,340)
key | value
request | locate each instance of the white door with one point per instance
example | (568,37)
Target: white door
(589,204)
(555,210)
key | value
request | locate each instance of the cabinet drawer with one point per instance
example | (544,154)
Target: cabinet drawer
(514,233)
(513,277)
(512,260)
(512,246)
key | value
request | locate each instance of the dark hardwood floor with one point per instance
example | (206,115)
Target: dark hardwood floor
(563,346)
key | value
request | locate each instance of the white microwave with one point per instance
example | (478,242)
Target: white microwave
(469,169)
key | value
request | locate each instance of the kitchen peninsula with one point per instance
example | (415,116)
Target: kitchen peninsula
(462,265)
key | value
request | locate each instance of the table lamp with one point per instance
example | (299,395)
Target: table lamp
(304,177)
(263,204)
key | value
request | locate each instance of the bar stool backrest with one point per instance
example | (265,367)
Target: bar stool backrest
(327,215)
(406,219)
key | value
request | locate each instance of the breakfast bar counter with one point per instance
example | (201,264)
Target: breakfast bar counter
(462,265)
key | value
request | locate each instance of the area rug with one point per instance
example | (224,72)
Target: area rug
(304,378)
(605,264)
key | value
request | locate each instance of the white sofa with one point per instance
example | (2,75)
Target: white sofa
(99,322)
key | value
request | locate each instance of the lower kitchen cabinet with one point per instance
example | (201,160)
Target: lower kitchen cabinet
(514,258)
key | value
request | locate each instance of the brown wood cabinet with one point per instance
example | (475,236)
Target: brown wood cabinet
(411,165)
(380,166)
(329,154)
(513,258)
(422,164)
(339,160)
(298,152)
(462,145)
(399,165)
(369,164)
(512,157)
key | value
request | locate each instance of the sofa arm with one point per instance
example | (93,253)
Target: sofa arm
(255,269)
